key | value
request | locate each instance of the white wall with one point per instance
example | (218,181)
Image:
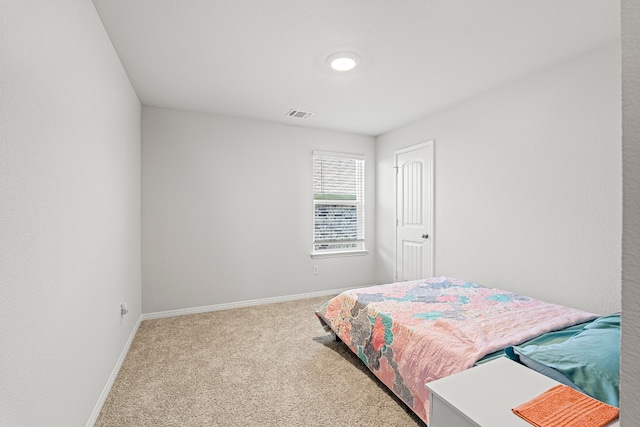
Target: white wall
(227,211)
(630,360)
(69,211)
(528,185)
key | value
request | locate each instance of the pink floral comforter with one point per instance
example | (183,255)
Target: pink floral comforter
(411,333)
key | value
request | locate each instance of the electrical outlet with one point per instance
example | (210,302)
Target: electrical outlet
(316,269)
(123,309)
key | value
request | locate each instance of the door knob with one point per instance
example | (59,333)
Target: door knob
(425,236)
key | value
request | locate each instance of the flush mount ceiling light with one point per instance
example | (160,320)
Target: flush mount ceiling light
(343,61)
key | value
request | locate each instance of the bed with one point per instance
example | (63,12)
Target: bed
(411,333)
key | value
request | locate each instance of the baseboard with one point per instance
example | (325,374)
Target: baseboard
(112,378)
(240,304)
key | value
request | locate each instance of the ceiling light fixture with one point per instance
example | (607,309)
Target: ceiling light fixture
(343,61)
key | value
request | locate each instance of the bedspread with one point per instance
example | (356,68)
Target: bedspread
(411,333)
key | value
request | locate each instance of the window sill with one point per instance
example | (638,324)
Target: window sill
(339,254)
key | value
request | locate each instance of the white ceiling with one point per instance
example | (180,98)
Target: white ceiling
(260,58)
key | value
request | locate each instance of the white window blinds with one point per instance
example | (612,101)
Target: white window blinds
(338,199)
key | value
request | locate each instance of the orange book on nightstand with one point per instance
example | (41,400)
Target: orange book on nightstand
(566,407)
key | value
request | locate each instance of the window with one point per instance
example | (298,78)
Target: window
(338,204)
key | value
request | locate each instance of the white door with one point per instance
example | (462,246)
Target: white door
(414,212)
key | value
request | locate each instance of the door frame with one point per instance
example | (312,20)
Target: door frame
(426,144)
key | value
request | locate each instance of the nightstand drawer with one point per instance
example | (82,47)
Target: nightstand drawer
(442,414)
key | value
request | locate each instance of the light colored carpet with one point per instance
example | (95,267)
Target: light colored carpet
(268,365)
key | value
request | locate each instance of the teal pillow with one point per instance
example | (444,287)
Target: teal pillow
(588,361)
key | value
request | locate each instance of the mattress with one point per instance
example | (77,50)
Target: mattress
(410,333)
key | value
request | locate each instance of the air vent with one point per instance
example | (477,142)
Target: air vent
(297,114)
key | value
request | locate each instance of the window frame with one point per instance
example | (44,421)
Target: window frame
(359,203)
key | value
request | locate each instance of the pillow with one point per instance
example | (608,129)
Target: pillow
(589,361)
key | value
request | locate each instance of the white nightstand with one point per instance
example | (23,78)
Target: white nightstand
(484,395)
